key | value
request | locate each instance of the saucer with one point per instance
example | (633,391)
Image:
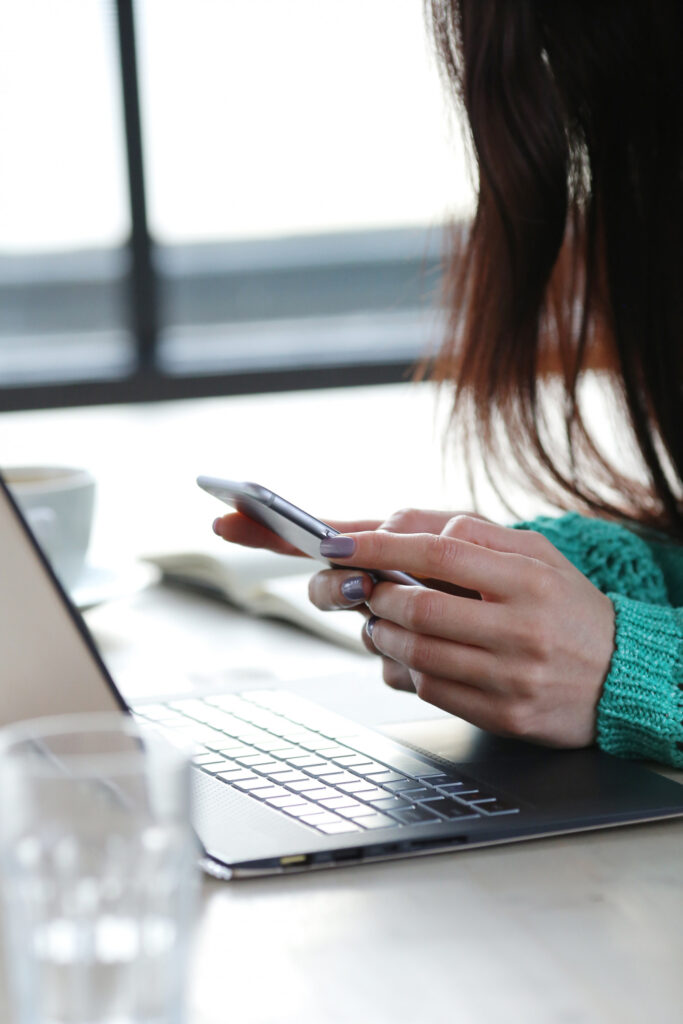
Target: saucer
(98,584)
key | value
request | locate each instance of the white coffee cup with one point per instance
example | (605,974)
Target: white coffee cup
(57,503)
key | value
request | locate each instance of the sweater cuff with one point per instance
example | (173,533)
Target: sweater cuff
(641,709)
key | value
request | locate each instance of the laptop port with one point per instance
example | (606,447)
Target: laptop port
(352,853)
(295,861)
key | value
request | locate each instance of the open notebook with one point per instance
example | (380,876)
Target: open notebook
(261,583)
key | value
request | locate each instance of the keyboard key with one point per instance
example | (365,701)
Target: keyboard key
(366,767)
(437,778)
(271,792)
(311,786)
(320,793)
(248,784)
(299,809)
(354,787)
(291,800)
(236,775)
(305,761)
(388,802)
(271,744)
(209,758)
(308,740)
(333,750)
(260,739)
(324,768)
(290,731)
(337,778)
(496,806)
(417,795)
(235,749)
(219,767)
(337,827)
(349,760)
(376,821)
(454,787)
(363,811)
(290,752)
(291,775)
(321,818)
(354,808)
(334,802)
(475,795)
(386,776)
(416,816)
(369,792)
(230,725)
(254,759)
(450,808)
(270,766)
(397,787)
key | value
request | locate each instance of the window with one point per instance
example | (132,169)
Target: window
(63,206)
(295,166)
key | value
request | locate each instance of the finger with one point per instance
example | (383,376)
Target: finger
(485,710)
(423,610)
(473,666)
(503,538)
(338,588)
(353,525)
(239,529)
(414,520)
(396,676)
(428,555)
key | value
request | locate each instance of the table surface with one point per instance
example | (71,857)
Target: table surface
(571,929)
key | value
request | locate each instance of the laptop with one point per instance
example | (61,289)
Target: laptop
(281,784)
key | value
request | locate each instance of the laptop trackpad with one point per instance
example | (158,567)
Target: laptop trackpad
(455,740)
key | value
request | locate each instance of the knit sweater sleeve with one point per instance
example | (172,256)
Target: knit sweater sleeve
(640,713)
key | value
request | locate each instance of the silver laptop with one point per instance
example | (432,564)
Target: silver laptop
(282,784)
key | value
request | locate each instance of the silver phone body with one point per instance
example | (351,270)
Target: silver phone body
(288,521)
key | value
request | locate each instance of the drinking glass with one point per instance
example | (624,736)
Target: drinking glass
(99,871)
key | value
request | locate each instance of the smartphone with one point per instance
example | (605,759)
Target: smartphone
(302,530)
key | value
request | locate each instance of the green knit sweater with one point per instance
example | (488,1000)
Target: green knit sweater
(640,713)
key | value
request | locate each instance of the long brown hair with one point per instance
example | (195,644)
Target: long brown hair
(574,258)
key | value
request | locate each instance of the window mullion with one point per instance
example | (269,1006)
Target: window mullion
(142,276)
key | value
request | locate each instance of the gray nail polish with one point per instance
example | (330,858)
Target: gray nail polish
(337,547)
(370,625)
(353,589)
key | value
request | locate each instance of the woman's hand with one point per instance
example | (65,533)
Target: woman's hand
(337,588)
(239,529)
(528,660)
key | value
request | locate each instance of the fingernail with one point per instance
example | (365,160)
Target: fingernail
(337,547)
(353,588)
(215,526)
(370,625)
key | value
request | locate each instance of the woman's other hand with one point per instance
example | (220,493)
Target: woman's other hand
(343,588)
(239,529)
(528,660)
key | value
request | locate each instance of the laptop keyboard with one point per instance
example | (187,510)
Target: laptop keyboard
(305,763)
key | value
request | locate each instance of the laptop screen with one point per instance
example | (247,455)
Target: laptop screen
(48,665)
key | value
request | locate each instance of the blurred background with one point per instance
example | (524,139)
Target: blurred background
(218,196)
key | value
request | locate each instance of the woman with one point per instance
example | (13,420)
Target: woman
(574,261)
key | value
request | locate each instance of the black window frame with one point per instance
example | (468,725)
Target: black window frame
(399,254)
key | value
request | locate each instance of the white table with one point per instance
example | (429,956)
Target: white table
(576,929)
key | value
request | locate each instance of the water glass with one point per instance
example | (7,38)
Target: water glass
(99,875)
